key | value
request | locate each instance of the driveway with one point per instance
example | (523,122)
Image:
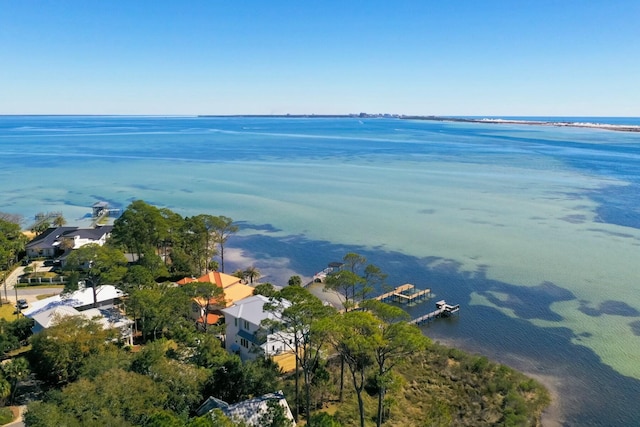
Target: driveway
(13,294)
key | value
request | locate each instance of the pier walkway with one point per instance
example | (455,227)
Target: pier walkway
(442,310)
(406,293)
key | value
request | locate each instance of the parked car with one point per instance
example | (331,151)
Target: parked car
(22,304)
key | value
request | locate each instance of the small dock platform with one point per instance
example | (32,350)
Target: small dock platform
(406,293)
(442,310)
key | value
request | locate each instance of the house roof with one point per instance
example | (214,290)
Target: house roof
(220,279)
(237,292)
(248,411)
(250,309)
(212,319)
(107,318)
(50,236)
(79,298)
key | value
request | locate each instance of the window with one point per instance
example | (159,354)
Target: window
(235,321)
(244,343)
(246,325)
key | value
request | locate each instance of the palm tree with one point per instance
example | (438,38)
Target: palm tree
(59,221)
(240,274)
(252,273)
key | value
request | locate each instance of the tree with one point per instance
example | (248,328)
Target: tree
(223,229)
(392,343)
(138,277)
(141,225)
(115,398)
(373,278)
(252,273)
(101,265)
(59,221)
(274,416)
(58,352)
(296,315)
(206,296)
(352,336)
(234,381)
(345,283)
(295,281)
(265,289)
(15,370)
(12,242)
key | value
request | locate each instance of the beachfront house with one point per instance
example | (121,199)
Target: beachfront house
(55,241)
(245,334)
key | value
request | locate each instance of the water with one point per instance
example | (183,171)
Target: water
(534,230)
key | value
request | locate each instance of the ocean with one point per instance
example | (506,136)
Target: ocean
(533,230)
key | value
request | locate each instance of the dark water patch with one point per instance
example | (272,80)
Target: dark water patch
(613,308)
(618,205)
(258,227)
(529,302)
(427,211)
(635,327)
(186,190)
(612,233)
(591,393)
(574,219)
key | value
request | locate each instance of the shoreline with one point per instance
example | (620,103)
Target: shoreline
(587,125)
(551,416)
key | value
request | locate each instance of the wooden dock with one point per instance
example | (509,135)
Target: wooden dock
(442,310)
(406,293)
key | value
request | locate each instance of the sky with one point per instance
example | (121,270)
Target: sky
(464,57)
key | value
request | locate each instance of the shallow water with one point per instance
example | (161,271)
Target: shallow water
(534,230)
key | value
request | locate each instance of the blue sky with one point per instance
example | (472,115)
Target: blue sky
(465,57)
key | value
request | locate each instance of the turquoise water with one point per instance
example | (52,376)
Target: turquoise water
(534,230)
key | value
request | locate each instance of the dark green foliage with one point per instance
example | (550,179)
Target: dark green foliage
(322,419)
(265,289)
(295,281)
(6,416)
(274,416)
(60,352)
(234,381)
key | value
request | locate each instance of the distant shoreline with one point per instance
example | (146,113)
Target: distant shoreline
(604,126)
(588,125)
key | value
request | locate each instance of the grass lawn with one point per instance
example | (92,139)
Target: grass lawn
(6,311)
(7,414)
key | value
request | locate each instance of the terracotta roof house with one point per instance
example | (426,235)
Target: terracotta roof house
(248,411)
(209,312)
(56,240)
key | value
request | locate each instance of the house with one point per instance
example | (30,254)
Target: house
(248,411)
(107,296)
(55,241)
(107,318)
(45,312)
(245,334)
(209,311)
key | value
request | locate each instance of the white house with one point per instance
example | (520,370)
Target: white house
(248,411)
(56,240)
(107,296)
(80,303)
(244,333)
